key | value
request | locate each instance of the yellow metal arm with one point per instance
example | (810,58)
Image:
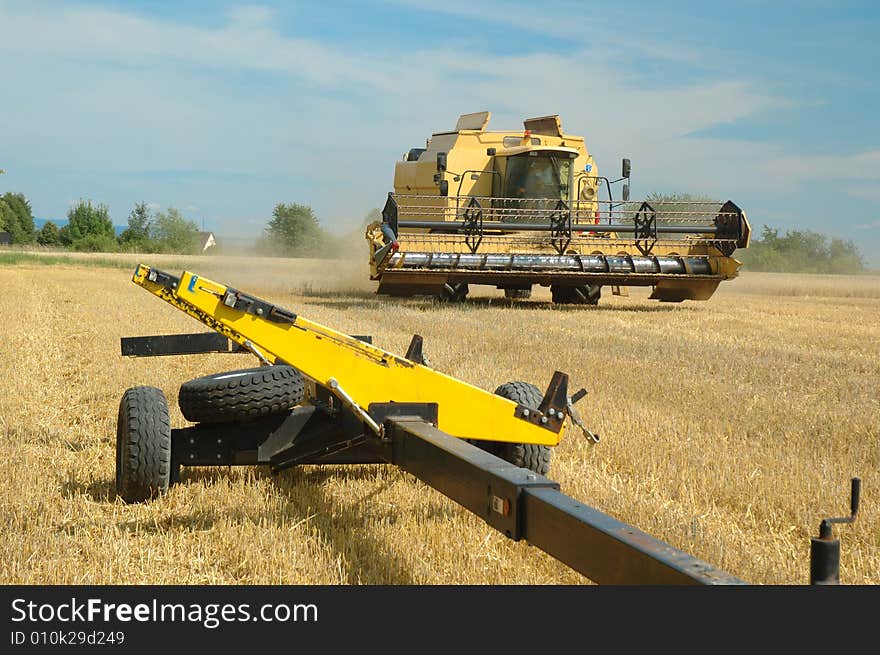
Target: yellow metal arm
(367,374)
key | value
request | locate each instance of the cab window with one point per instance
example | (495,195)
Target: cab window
(537,175)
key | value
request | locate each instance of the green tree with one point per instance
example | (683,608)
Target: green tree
(845,257)
(48,235)
(801,251)
(96,243)
(16,217)
(174,233)
(138,230)
(294,231)
(87,220)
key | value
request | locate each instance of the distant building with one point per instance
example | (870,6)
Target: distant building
(206,240)
(5,239)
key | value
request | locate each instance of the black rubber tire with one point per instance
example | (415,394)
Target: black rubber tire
(587,294)
(518,294)
(534,457)
(241,395)
(453,292)
(143,445)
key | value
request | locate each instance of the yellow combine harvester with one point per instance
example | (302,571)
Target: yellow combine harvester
(518,209)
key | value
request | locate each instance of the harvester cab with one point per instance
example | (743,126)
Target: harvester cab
(519,209)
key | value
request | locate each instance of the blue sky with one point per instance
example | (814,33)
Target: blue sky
(224,109)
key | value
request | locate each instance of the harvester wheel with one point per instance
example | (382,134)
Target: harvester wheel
(143,445)
(241,395)
(534,457)
(453,292)
(587,294)
(518,294)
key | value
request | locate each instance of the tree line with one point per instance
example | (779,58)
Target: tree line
(90,228)
(293,231)
(801,251)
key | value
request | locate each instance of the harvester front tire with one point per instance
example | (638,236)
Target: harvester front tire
(453,292)
(534,457)
(587,294)
(241,395)
(518,294)
(143,445)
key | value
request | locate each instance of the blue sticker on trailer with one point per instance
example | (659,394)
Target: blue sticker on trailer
(588,168)
(192,283)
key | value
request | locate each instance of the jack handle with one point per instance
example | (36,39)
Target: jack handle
(575,416)
(825,549)
(825,526)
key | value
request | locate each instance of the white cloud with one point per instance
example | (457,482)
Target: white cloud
(253,15)
(247,41)
(865,191)
(859,166)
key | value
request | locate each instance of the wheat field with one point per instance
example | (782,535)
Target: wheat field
(730,428)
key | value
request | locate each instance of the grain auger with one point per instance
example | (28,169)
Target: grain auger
(322,397)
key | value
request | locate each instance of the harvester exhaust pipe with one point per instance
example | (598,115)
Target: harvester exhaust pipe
(825,549)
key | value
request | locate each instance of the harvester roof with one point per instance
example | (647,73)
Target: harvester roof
(518,150)
(478,121)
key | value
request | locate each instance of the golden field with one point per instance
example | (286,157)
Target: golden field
(730,428)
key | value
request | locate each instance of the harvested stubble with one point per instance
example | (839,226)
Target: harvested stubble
(730,428)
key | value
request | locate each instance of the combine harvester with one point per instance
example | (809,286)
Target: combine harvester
(518,209)
(323,397)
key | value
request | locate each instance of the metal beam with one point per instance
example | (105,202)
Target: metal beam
(303,435)
(178,344)
(524,505)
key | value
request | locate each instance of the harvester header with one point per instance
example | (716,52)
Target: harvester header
(529,207)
